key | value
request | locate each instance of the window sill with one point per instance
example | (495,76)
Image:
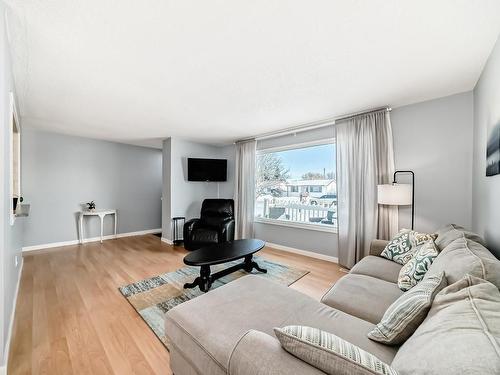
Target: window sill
(291,224)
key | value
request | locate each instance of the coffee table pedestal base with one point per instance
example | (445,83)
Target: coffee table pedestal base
(206,279)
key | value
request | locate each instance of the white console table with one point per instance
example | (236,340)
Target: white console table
(101,214)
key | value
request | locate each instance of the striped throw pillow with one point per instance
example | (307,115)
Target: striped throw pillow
(329,353)
(404,316)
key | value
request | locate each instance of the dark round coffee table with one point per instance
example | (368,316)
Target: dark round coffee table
(223,253)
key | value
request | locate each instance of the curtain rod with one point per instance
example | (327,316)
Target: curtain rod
(312,125)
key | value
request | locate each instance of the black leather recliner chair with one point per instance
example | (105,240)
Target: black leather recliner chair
(215,225)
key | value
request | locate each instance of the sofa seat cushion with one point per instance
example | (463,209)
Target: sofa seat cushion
(377,267)
(460,334)
(362,296)
(206,329)
(464,256)
(452,232)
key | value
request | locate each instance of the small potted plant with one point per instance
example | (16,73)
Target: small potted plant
(91,205)
(15,201)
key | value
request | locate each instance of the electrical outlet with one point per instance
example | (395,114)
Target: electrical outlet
(16,260)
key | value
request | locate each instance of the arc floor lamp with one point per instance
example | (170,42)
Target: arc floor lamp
(399,194)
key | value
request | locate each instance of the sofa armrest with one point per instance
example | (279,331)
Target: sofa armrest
(258,353)
(377,246)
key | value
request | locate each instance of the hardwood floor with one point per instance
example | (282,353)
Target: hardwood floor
(71,318)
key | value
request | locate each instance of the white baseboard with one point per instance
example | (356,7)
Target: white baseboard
(3,369)
(306,253)
(166,240)
(93,239)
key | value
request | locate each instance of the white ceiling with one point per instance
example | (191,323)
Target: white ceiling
(215,70)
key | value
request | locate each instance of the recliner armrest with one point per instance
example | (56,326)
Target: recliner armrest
(227,230)
(189,226)
(258,353)
(377,246)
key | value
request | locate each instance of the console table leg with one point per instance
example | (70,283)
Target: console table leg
(102,225)
(81,228)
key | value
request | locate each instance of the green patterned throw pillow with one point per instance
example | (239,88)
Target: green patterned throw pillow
(404,316)
(330,353)
(406,243)
(414,271)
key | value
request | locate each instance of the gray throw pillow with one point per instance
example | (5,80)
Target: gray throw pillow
(404,316)
(330,353)
(406,243)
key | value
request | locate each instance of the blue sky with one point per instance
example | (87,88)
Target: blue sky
(310,159)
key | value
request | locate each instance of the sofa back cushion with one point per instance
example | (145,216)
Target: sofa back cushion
(452,232)
(460,334)
(464,256)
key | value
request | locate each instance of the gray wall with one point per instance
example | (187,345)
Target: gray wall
(182,197)
(60,172)
(433,139)
(486,190)
(10,235)
(325,243)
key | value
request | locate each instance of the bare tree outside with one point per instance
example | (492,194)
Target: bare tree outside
(271,174)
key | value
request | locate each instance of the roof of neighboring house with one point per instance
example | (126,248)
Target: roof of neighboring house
(310,182)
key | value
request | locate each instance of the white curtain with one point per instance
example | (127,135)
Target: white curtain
(245,188)
(365,158)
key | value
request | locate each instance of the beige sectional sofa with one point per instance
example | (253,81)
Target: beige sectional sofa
(230,329)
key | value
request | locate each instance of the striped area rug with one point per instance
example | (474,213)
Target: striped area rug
(153,297)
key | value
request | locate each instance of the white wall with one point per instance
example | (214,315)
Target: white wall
(182,197)
(166,195)
(188,195)
(10,236)
(433,139)
(60,172)
(486,190)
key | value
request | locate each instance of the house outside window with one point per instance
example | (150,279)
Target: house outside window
(296,186)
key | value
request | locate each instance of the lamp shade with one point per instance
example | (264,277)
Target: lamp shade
(395,194)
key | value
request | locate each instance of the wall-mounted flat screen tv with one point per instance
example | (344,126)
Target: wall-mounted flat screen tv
(207,169)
